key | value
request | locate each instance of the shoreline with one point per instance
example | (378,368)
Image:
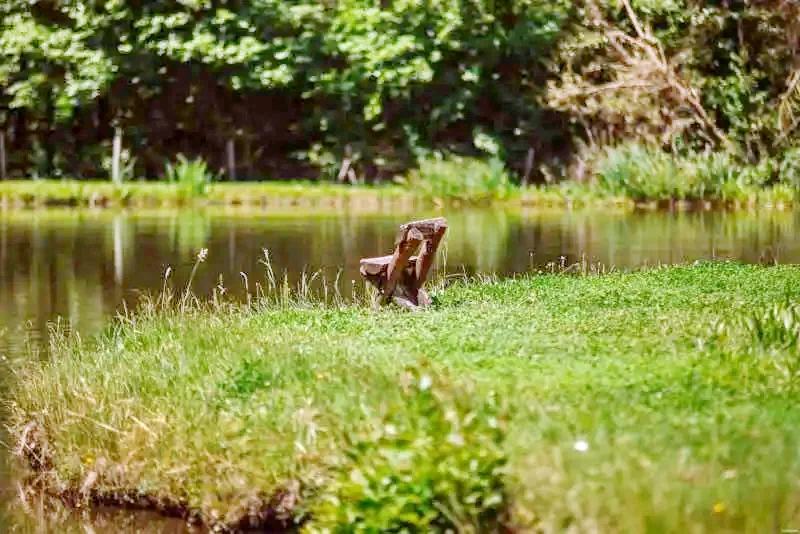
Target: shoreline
(15,195)
(273,515)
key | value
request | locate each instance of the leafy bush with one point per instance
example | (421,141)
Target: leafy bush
(348,80)
(789,168)
(460,178)
(716,75)
(433,464)
(191,177)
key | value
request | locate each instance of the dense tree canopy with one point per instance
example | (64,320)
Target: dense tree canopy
(300,85)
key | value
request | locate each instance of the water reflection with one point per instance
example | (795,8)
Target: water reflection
(41,515)
(81,265)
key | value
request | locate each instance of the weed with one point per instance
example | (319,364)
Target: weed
(191,177)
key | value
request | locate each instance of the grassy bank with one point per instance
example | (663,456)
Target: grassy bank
(26,193)
(656,401)
(281,195)
(628,176)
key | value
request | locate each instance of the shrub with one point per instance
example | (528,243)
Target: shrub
(460,178)
(432,464)
(789,168)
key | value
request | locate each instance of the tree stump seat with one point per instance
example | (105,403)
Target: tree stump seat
(400,276)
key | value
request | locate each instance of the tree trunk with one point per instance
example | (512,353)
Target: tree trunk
(47,145)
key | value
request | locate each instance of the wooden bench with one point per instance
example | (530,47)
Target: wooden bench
(400,276)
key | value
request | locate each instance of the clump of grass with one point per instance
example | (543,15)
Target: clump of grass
(774,327)
(192,177)
(463,179)
(764,343)
(434,463)
(777,326)
(641,172)
(634,171)
(285,194)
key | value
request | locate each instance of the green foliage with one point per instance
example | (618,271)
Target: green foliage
(248,378)
(382,84)
(722,176)
(773,327)
(457,178)
(431,464)
(789,168)
(760,347)
(640,172)
(192,178)
(350,79)
(719,75)
(49,63)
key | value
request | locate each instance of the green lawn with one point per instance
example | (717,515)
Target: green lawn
(553,403)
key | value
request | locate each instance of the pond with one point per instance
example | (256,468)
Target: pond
(80,266)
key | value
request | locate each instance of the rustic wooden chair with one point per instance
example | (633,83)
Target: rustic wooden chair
(400,276)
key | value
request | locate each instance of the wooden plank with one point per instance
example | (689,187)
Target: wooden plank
(428,227)
(402,254)
(380,265)
(375,266)
(400,275)
(427,255)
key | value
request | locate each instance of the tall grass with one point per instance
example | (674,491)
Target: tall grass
(191,177)
(272,290)
(641,172)
(460,179)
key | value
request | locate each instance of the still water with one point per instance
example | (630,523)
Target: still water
(81,266)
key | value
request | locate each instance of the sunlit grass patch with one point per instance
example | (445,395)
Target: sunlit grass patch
(601,402)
